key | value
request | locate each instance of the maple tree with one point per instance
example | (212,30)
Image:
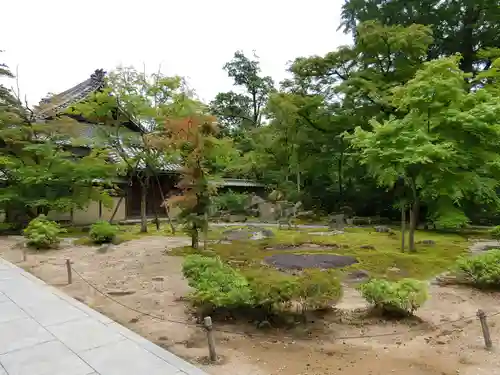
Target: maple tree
(194,138)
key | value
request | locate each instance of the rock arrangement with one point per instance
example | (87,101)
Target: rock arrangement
(302,261)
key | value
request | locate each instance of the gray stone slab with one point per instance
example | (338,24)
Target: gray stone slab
(55,312)
(81,306)
(126,358)
(51,358)
(3,298)
(26,294)
(10,311)
(22,333)
(167,356)
(85,334)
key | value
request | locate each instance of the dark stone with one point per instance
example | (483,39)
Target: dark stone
(427,242)
(249,233)
(120,292)
(367,247)
(158,278)
(303,261)
(358,275)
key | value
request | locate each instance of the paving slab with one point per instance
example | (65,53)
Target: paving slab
(45,332)
(50,358)
(85,334)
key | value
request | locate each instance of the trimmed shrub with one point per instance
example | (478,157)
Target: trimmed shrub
(216,284)
(495,232)
(319,289)
(482,271)
(402,297)
(103,232)
(42,233)
(272,290)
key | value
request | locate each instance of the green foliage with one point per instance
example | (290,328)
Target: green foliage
(483,270)
(42,233)
(319,289)
(400,297)
(495,232)
(103,232)
(217,284)
(231,202)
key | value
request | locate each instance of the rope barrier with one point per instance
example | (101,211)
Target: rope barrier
(162,318)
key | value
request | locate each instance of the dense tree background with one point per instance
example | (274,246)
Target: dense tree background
(404,116)
(307,147)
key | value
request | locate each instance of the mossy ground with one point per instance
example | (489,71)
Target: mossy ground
(426,262)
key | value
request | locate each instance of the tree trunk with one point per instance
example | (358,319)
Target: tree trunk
(403,227)
(340,171)
(144,218)
(413,225)
(165,205)
(115,210)
(205,232)
(194,237)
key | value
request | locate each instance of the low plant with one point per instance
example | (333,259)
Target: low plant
(482,271)
(103,232)
(319,289)
(271,290)
(42,233)
(495,232)
(216,284)
(402,297)
(231,202)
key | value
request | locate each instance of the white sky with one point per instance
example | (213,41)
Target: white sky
(58,43)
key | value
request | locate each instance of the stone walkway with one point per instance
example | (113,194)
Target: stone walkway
(45,332)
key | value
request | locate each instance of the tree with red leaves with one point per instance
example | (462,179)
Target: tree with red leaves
(193,137)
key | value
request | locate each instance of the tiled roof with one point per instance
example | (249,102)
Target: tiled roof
(130,153)
(56,104)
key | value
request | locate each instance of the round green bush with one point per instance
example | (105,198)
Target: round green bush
(103,232)
(402,297)
(42,233)
(495,232)
(482,271)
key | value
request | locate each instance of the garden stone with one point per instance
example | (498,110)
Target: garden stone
(119,293)
(337,222)
(367,247)
(358,276)
(249,233)
(331,233)
(427,242)
(104,248)
(482,246)
(394,270)
(382,229)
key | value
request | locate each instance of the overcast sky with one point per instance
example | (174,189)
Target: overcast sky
(56,44)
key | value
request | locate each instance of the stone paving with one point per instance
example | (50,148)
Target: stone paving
(45,332)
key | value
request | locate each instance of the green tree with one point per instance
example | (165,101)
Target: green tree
(444,149)
(238,111)
(458,26)
(147,101)
(40,171)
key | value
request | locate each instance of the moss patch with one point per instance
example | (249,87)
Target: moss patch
(386,260)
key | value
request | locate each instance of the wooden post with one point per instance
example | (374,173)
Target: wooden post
(403,227)
(210,336)
(484,326)
(68,269)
